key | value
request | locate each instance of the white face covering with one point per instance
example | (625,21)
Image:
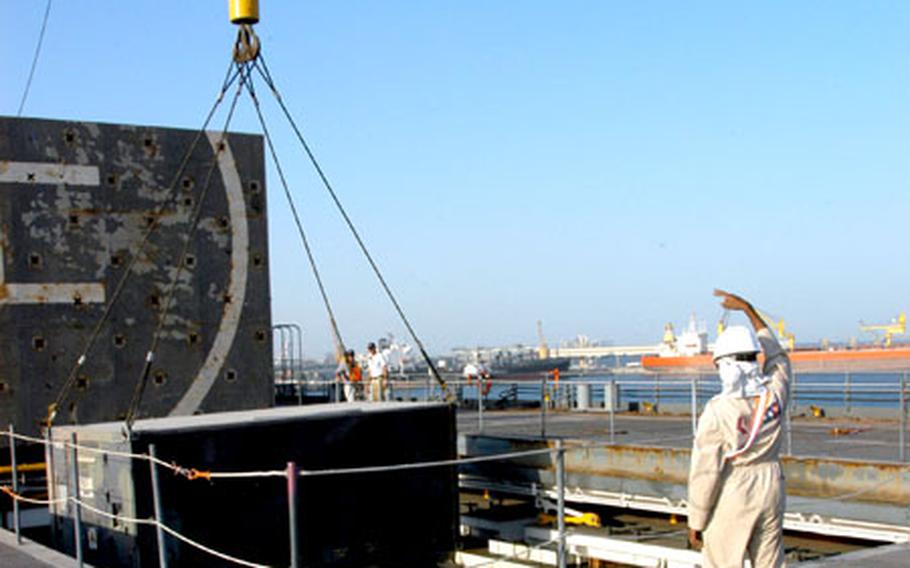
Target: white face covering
(740,379)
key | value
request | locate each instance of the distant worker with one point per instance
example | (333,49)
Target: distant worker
(350,375)
(736,486)
(475,372)
(378,369)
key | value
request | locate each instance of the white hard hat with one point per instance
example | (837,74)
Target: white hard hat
(734,340)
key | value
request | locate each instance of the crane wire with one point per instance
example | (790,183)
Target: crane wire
(181,263)
(90,341)
(31,73)
(336,337)
(267,77)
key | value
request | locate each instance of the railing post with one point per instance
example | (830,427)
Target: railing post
(791,401)
(847,393)
(613,392)
(561,503)
(543,407)
(292,513)
(156,502)
(903,420)
(77,507)
(694,405)
(656,394)
(480,405)
(14,472)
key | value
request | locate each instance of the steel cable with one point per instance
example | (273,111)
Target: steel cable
(266,76)
(31,73)
(337,339)
(90,342)
(181,263)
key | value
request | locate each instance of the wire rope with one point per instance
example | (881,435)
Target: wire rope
(266,76)
(121,283)
(31,73)
(181,263)
(337,339)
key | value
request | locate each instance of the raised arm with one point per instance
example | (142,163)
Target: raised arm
(734,302)
(777,363)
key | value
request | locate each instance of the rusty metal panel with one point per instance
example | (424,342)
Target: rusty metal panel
(872,491)
(75,201)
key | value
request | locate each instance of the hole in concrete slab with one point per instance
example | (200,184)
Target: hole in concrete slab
(148,143)
(187,201)
(35,261)
(258,261)
(149,220)
(230,375)
(260,335)
(187,183)
(254,186)
(119,341)
(190,261)
(159,378)
(30,176)
(82,382)
(38,343)
(77,300)
(255,206)
(4,387)
(194,338)
(112,180)
(227,298)
(154,301)
(224,222)
(69,136)
(74,220)
(116,260)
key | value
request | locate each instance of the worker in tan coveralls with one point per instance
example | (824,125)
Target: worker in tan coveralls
(736,486)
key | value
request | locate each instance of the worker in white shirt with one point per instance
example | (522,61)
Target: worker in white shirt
(736,486)
(378,369)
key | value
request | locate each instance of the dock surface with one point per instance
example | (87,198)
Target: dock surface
(30,554)
(872,440)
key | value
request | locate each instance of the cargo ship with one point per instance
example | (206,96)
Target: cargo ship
(690,352)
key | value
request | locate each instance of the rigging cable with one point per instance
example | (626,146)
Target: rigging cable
(90,342)
(181,263)
(266,76)
(336,334)
(31,73)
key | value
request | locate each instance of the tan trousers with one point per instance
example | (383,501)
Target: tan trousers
(378,390)
(747,519)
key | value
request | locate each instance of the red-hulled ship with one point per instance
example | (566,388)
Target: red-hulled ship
(690,353)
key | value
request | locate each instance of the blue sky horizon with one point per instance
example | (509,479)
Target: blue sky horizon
(597,166)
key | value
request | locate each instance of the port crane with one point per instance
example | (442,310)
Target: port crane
(543,350)
(896,327)
(778,325)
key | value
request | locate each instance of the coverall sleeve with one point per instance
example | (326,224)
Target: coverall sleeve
(705,469)
(777,365)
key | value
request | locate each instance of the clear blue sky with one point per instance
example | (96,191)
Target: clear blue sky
(600,166)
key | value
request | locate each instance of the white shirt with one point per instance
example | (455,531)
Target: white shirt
(377,365)
(474,370)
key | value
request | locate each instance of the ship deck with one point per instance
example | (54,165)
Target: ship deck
(30,554)
(843,438)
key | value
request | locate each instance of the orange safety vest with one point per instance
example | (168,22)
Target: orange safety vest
(356,373)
